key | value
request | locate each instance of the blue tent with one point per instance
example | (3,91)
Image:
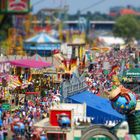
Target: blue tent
(42,44)
(97,107)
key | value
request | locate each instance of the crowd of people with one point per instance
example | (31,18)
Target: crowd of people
(21,121)
(99,79)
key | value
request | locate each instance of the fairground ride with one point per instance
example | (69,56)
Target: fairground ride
(14,10)
(52,19)
(25,26)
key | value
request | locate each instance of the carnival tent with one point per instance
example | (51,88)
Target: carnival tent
(37,57)
(42,44)
(111,40)
(97,107)
(28,63)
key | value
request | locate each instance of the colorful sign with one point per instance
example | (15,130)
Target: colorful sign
(6,106)
(14,6)
(55,113)
(18,5)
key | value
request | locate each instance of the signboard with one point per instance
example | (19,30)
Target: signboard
(6,106)
(54,113)
(18,5)
(14,6)
(135,72)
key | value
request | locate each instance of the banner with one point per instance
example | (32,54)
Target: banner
(18,5)
(14,6)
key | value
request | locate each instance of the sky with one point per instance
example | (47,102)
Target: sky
(83,5)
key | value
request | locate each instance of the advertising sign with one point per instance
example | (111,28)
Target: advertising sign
(14,6)
(18,5)
(6,106)
(54,114)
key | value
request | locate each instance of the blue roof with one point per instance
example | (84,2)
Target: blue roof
(98,107)
(41,46)
(42,38)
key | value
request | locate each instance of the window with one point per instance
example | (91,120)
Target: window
(56,136)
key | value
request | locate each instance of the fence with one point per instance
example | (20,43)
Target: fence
(73,86)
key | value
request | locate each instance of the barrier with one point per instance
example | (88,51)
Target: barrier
(134,122)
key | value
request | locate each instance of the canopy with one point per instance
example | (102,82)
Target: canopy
(42,38)
(97,107)
(111,40)
(32,93)
(135,72)
(42,44)
(14,82)
(28,63)
(37,57)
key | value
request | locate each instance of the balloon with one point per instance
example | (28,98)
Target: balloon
(122,99)
(123,106)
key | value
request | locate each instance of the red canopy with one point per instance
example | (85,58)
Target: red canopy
(32,93)
(28,63)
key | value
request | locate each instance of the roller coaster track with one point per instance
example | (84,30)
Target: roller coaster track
(97,130)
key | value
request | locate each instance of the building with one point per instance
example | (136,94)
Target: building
(120,11)
(54,131)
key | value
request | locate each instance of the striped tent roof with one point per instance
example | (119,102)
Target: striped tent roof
(37,57)
(42,38)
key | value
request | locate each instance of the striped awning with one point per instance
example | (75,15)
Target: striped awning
(13,82)
(42,38)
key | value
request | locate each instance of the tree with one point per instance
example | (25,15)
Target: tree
(78,14)
(127,27)
(89,15)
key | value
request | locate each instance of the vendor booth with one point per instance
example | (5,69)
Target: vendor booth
(23,70)
(131,79)
(97,107)
(28,63)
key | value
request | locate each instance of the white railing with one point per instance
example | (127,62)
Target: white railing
(74,89)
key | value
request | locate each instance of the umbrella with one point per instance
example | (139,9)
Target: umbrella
(22,126)
(95,48)
(105,48)
(16,119)
(30,103)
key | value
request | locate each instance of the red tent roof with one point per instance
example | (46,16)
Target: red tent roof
(128,12)
(32,93)
(28,63)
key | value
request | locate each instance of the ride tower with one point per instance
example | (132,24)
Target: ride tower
(16,9)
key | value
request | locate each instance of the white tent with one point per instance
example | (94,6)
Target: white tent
(110,40)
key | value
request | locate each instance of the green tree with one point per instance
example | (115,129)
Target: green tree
(127,27)
(89,15)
